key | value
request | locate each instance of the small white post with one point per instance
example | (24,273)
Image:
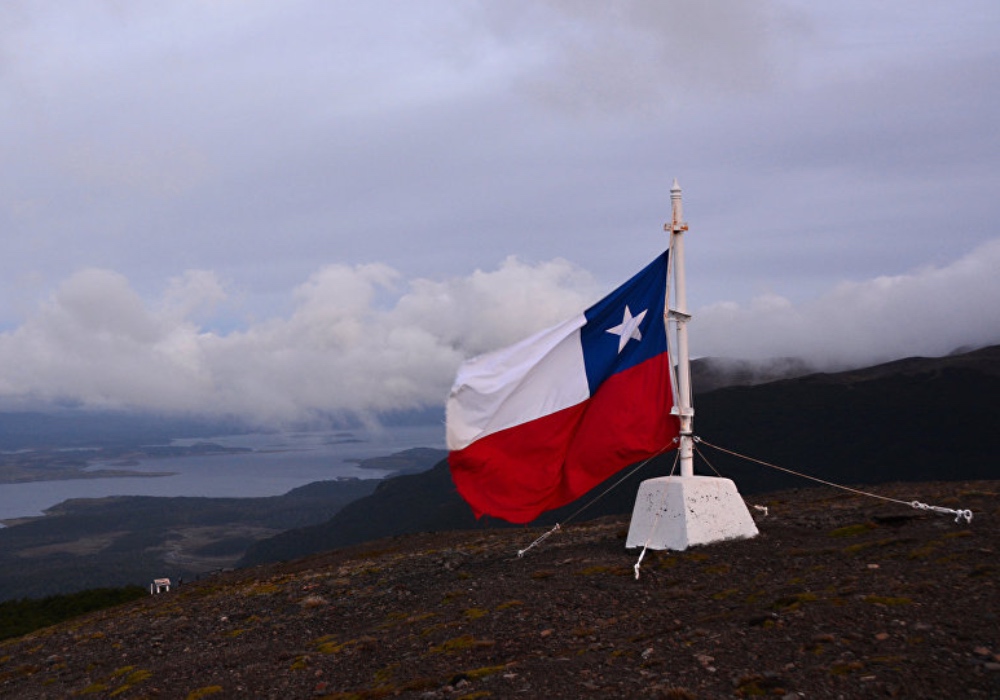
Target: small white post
(675,512)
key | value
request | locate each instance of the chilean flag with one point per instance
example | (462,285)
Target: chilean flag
(536,425)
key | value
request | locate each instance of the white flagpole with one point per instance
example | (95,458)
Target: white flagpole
(676,512)
(683,403)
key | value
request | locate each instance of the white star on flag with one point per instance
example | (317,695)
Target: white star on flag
(628,328)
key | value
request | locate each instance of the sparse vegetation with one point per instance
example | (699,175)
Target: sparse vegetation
(793,602)
(94,688)
(852,530)
(18,617)
(888,601)
(461,643)
(727,593)
(859,547)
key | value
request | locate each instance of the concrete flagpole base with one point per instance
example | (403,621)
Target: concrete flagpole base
(676,512)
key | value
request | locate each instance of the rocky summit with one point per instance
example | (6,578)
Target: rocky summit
(840,596)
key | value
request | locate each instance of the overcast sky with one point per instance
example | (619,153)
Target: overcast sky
(275,209)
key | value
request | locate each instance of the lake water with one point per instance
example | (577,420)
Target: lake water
(279,463)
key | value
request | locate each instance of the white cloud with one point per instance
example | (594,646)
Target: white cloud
(342,349)
(930,311)
(360,341)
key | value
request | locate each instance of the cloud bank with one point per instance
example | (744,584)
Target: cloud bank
(930,311)
(361,341)
(342,350)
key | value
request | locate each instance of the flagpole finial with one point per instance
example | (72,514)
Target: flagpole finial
(677,205)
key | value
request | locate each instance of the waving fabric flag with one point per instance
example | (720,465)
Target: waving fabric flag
(534,426)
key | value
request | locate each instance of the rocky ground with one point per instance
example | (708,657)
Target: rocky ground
(840,596)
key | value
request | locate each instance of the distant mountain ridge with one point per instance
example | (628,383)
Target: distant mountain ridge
(909,420)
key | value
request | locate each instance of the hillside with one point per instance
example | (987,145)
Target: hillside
(122,540)
(915,419)
(839,597)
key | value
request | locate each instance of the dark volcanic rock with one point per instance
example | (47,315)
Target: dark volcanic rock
(839,596)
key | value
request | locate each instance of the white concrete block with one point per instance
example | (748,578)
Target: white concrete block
(676,512)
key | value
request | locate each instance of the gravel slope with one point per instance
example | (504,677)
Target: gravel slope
(839,597)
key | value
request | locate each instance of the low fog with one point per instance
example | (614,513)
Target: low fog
(361,340)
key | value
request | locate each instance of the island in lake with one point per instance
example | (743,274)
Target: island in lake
(59,464)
